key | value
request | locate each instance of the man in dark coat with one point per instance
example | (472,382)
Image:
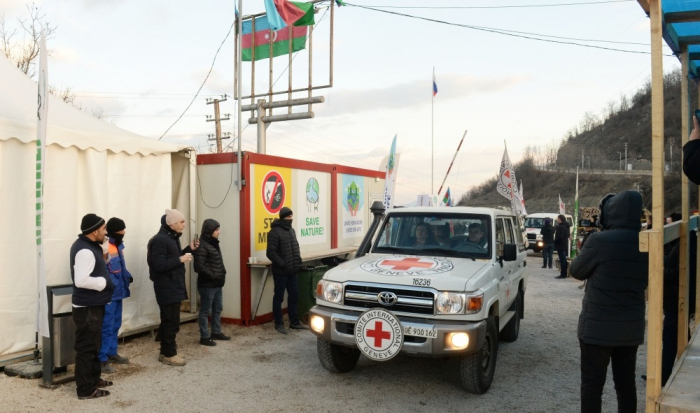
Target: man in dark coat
(561,244)
(209,265)
(283,252)
(611,324)
(166,266)
(92,290)
(691,154)
(547,233)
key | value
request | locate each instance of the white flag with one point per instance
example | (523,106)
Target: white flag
(562,210)
(506,181)
(392,167)
(522,199)
(42,322)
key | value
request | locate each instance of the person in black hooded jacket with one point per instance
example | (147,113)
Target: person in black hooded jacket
(547,233)
(561,244)
(691,154)
(283,252)
(209,265)
(166,267)
(611,324)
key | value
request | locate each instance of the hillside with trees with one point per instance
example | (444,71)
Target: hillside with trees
(595,146)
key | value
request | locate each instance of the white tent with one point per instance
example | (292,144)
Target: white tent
(91,166)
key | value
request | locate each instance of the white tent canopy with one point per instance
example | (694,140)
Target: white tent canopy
(91,166)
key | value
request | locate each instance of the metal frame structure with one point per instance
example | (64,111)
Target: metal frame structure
(264,107)
(677,24)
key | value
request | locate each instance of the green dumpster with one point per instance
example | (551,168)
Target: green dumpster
(307,279)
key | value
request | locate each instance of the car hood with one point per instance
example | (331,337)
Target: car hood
(442,273)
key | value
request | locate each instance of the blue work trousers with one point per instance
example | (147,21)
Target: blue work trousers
(211,301)
(110,329)
(547,255)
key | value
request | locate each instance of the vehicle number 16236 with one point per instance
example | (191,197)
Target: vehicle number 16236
(423,282)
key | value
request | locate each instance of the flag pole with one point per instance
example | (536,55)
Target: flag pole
(432,136)
(239,86)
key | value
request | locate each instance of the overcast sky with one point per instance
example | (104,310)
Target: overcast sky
(141,62)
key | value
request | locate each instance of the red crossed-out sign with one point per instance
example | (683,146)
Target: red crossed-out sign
(378,334)
(406,264)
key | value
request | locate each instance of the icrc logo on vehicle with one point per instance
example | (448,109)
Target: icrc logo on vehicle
(407,265)
(379,334)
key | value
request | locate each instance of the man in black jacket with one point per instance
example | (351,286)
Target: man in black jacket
(611,324)
(283,252)
(92,289)
(561,244)
(547,233)
(166,266)
(209,265)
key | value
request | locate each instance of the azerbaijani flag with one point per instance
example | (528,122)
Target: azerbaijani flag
(434,85)
(447,200)
(283,13)
(280,39)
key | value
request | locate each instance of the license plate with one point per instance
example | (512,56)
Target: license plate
(419,332)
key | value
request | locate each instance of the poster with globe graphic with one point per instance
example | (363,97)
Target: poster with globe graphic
(312,207)
(352,197)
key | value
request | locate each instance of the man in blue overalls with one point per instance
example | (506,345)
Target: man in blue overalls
(116,266)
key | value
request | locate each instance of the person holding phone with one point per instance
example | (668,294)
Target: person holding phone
(166,267)
(691,152)
(209,266)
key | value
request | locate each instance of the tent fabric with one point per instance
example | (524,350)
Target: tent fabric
(68,126)
(91,166)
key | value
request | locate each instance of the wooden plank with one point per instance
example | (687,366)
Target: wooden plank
(683,272)
(656,266)
(645,5)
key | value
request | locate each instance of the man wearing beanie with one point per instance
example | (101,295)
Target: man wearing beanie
(209,265)
(92,290)
(166,266)
(283,252)
(116,266)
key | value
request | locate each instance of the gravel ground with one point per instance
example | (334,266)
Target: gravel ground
(261,370)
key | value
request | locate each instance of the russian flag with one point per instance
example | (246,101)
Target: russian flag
(434,85)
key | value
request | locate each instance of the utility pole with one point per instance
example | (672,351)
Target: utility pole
(626,155)
(217,118)
(582,161)
(670,148)
(620,165)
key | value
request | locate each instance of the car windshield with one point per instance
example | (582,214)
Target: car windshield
(534,222)
(443,235)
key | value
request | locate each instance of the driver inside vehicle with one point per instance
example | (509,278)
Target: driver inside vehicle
(476,235)
(442,235)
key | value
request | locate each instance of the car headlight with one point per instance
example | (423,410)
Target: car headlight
(329,291)
(450,303)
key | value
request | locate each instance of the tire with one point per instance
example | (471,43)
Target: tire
(476,370)
(335,358)
(511,330)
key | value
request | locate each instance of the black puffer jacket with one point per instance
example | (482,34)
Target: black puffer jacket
(613,305)
(672,270)
(164,266)
(283,249)
(208,262)
(691,160)
(547,233)
(561,236)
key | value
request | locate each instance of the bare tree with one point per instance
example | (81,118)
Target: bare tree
(624,103)
(23,52)
(65,94)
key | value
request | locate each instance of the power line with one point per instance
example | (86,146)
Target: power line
(205,81)
(507,32)
(505,6)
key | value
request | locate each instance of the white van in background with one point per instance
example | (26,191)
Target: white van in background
(535,222)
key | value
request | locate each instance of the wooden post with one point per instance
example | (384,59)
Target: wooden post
(656,237)
(683,273)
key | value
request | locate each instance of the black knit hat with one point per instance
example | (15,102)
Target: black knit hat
(285,212)
(90,223)
(115,225)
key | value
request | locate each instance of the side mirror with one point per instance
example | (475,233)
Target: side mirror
(510,252)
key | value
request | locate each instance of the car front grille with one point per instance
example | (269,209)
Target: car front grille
(409,300)
(532,236)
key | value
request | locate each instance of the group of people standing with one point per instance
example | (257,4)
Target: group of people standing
(556,238)
(101,282)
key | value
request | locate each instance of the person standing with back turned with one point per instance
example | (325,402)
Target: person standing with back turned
(611,324)
(547,233)
(561,244)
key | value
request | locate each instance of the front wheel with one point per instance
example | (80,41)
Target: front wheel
(476,370)
(335,358)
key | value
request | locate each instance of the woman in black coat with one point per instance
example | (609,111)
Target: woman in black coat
(611,324)
(209,265)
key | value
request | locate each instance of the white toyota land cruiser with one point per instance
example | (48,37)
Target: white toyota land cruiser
(430,282)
